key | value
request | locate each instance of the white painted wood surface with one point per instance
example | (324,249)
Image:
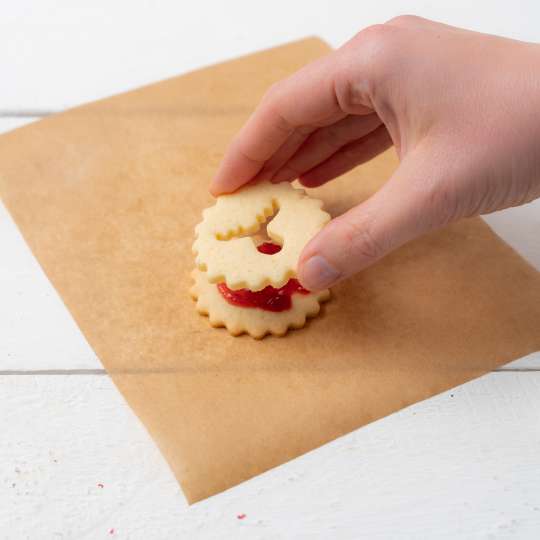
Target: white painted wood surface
(464,464)
(461,465)
(62,53)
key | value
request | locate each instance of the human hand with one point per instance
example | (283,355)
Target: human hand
(461,108)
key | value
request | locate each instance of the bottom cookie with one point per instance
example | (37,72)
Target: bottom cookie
(253,321)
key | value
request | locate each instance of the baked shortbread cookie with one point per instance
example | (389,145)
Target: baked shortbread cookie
(227,255)
(243,281)
(251,320)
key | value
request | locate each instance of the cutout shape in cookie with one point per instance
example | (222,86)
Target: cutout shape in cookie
(226,252)
(253,321)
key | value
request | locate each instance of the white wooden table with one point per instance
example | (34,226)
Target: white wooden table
(74,461)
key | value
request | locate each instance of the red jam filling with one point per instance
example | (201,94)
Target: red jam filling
(269,248)
(269,298)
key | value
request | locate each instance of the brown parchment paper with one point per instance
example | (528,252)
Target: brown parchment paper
(107,196)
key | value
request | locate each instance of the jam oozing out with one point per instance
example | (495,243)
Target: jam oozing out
(269,298)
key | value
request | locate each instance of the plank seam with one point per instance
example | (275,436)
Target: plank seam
(57,372)
(26,113)
(7,372)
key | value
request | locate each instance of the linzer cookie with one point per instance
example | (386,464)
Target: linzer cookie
(242,281)
(226,252)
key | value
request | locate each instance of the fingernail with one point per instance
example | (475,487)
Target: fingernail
(317,273)
(215,187)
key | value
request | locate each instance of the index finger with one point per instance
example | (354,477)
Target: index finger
(305,99)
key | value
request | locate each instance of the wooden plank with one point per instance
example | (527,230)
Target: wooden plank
(464,464)
(54,57)
(40,333)
(13,122)
(527,363)
(520,228)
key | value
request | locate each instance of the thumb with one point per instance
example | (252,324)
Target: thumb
(414,201)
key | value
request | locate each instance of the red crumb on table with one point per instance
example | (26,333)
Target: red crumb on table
(241,516)
(100,486)
(111,531)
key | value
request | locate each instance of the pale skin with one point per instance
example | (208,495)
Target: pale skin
(461,108)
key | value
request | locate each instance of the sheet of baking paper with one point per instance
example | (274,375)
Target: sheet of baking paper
(107,196)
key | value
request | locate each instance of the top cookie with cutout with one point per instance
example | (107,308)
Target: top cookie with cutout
(225,249)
